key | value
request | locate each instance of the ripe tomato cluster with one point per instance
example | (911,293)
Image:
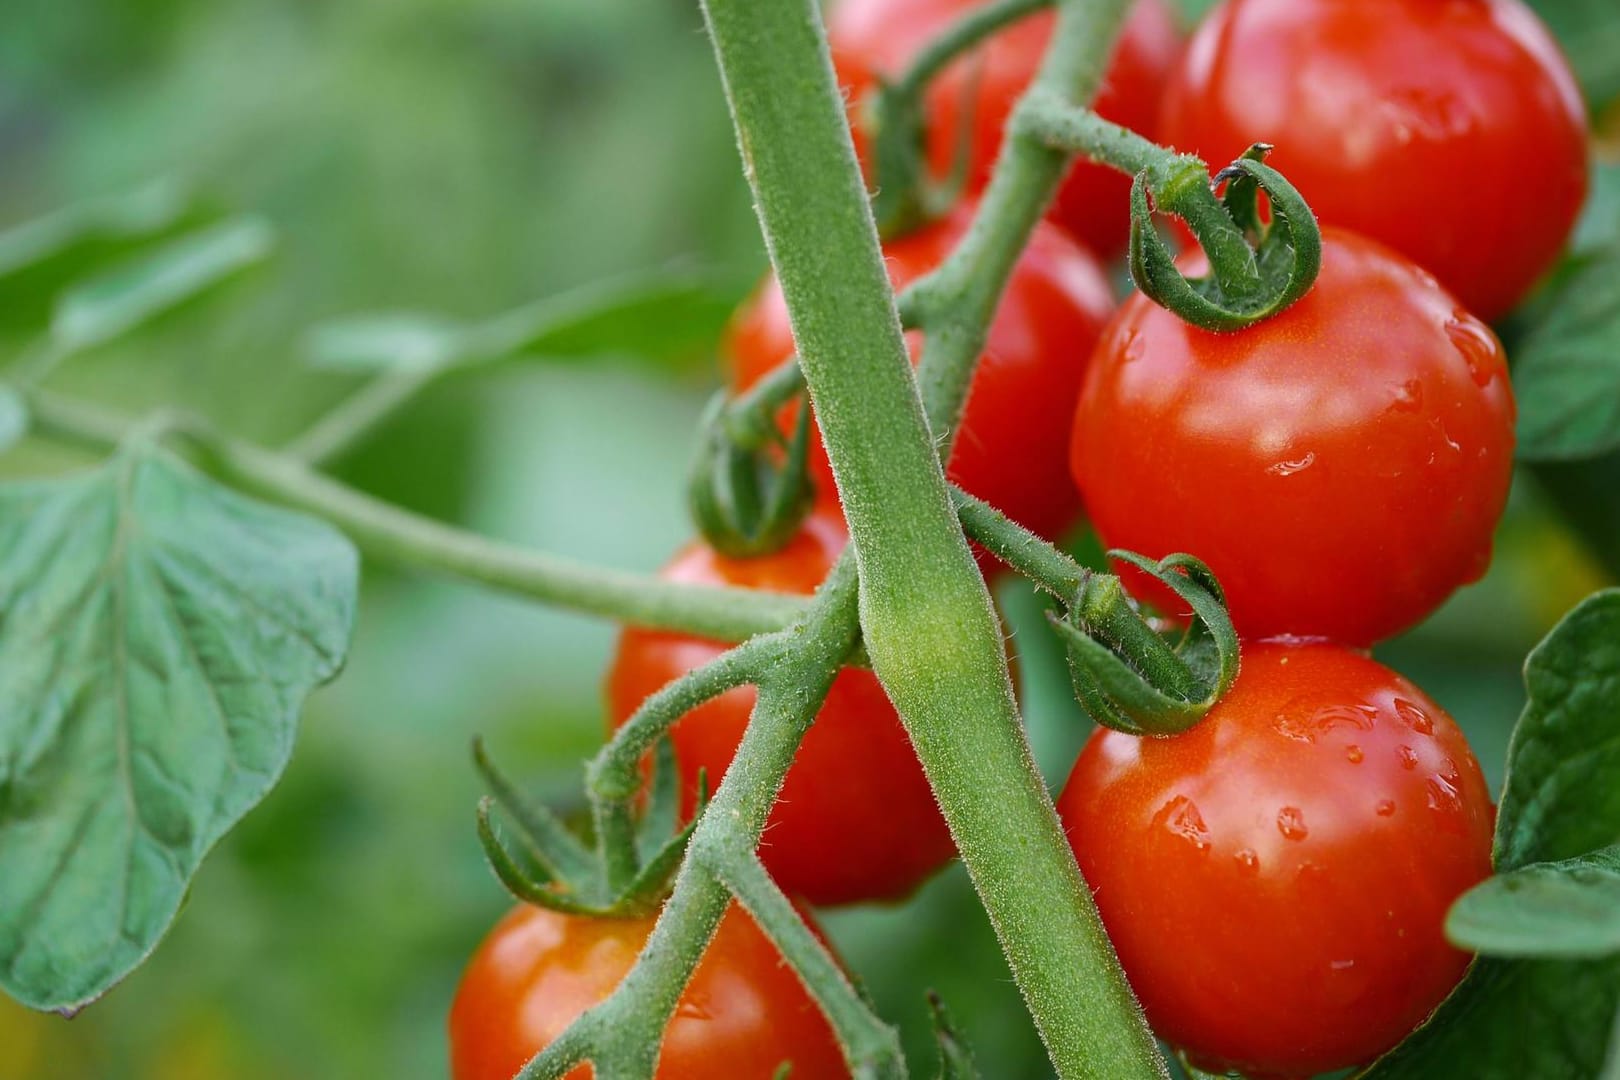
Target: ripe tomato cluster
(1274,880)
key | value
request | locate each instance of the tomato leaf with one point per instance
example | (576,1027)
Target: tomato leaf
(1543,1014)
(670,315)
(112,303)
(13,418)
(158,635)
(1563,909)
(1566,374)
(138,214)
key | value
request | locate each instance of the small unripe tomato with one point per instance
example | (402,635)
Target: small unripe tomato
(743,1014)
(1340,466)
(1276,879)
(1454,132)
(873,39)
(856,819)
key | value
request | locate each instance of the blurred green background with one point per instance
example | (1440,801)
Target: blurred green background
(465,156)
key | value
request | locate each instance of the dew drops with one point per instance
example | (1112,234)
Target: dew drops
(695,1010)
(1408,396)
(1361,717)
(1247,861)
(1353,754)
(1385,808)
(1341,965)
(1474,340)
(1291,823)
(1181,817)
(1408,756)
(1415,718)
(1293,465)
(1290,726)
(1443,795)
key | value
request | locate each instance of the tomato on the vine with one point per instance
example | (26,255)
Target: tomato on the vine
(1275,880)
(1453,132)
(1340,466)
(875,39)
(743,1014)
(1010,448)
(856,819)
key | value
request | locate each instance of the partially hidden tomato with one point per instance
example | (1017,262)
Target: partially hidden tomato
(743,1014)
(1410,121)
(875,39)
(1340,466)
(1275,880)
(856,819)
(1010,448)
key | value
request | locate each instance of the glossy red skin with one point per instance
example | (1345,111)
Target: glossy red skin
(856,819)
(1340,467)
(1010,450)
(873,38)
(1276,879)
(1452,130)
(742,1015)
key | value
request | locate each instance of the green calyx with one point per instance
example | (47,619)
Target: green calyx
(1128,676)
(748,491)
(1257,268)
(540,861)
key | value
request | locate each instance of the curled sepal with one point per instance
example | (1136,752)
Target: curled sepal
(749,500)
(1257,267)
(1130,678)
(540,862)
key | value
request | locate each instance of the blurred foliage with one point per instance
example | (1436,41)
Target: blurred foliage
(468,157)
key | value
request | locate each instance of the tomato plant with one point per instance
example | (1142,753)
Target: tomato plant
(1277,850)
(1275,879)
(1341,467)
(1435,106)
(970,101)
(1015,426)
(743,1014)
(856,820)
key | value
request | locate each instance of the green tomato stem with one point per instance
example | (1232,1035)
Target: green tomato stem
(399,537)
(926,615)
(360,414)
(1023,551)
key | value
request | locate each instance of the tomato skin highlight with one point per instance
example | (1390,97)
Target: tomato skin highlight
(1275,880)
(1341,466)
(743,1013)
(1409,121)
(856,820)
(873,39)
(1010,449)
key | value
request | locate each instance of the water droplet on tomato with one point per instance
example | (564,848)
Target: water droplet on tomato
(1416,719)
(1354,754)
(1181,817)
(1247,861)
(1293,465)
(1408,756)
(1385,808)
(1408,396)
(1291,823)
(1443,795)
(1474,340)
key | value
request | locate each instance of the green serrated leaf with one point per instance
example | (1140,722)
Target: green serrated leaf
(97,310)
(665,316)
(1566,374)
(1564,909)
(1544,1018)
(1560,799)
(158,636)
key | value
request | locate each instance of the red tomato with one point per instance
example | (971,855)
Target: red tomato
(1454,132)
(856,819)
(1340,466)
(742,1015)
(1276,879)
(879,38)
(1010,450)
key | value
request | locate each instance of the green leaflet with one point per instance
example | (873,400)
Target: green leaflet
(158,636)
